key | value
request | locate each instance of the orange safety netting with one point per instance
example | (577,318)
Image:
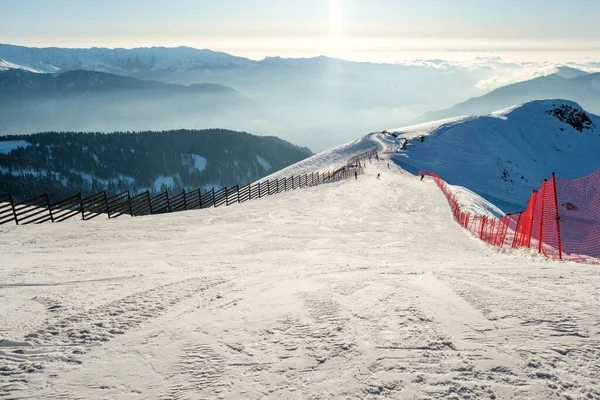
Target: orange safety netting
(562,219)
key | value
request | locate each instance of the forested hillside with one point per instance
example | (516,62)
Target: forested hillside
(64,163)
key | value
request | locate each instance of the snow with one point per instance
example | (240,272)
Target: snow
(199,162)
(10,145)
(167,181)
(377,294)
(25,171)
(53,59)
(502,156)
(266,166)
(5,66)
(329,160)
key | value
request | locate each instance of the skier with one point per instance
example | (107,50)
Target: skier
(422,176)
(378,176)
(355,175)
(389,166)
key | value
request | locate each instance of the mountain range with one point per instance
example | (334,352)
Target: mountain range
(318,102)
(567,83)
(98,101)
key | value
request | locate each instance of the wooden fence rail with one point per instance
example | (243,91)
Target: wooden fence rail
(39,209)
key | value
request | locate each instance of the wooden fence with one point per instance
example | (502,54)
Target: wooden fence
(39,209)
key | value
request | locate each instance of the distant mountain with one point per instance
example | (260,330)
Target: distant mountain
(90,100)
(17,83)
(582,88)
(53,59)
(505,155)
(65,163)
(570,72)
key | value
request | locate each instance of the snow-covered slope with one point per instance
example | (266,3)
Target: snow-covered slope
(337,157)
(5,66)
(358,289)
(328,160)
(505,155)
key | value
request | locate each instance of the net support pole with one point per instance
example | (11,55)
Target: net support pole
(557,216)
(540,239)
(535,195)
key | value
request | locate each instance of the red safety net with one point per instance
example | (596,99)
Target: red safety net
(579,211)
(562,220)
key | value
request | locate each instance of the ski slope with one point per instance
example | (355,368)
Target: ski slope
(354,289)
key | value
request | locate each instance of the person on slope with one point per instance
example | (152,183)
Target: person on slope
(355,175)
(389,166)
(378,175)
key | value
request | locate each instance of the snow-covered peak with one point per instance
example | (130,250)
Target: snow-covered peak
(54,59)
(504,155)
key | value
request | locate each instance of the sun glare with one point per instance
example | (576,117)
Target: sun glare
(335,43)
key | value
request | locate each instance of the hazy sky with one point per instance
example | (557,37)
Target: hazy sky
(378,30)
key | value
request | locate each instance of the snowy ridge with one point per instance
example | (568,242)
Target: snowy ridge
(329,160)
(505,155)
(337,157)
(53,59)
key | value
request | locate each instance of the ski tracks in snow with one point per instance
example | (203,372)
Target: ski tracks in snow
(63,337)
(359,289)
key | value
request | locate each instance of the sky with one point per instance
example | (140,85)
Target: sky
(363,30)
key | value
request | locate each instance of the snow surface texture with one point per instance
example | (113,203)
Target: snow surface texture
(10,145)
(337,157)
(505,155)
(199,162)
(355,289)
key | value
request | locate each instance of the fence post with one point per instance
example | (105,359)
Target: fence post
(200,197)
(277,186)
(542,219)
(129,202)
(106,204)
(557,217)
(149,201)
(81,205)
(184,201)
(12,205)
(48,205)
(168,202)
(213,196)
